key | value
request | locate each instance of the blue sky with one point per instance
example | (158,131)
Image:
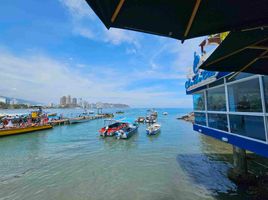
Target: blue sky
(58,47)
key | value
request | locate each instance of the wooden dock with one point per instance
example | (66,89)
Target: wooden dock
(66,121)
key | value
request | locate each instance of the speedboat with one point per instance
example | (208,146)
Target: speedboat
(153,129)
(141,119)
(110,129)
(150,119)
(126,132)
(165,113)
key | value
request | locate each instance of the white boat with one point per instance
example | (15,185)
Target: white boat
(153,129)
(165,113)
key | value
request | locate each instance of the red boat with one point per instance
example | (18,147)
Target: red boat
(110,129)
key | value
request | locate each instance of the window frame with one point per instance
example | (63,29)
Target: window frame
(228,112)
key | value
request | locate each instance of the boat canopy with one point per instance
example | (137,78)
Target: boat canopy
(242,51)
(181,19)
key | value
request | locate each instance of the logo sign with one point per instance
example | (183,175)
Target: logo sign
(200,77)
(196,63)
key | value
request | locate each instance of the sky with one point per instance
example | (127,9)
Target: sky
(53,48)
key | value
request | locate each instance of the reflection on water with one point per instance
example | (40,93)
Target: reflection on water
(73,162)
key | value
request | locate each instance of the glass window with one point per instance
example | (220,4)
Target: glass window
(218,121)
(216,83)
(245,96)
(265,82)
(250,126)
(216,99)
(200,118)
(237,77)
(199,101)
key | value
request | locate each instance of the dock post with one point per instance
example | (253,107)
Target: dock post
(239,173)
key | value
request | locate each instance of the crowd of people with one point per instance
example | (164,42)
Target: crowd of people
(36,118)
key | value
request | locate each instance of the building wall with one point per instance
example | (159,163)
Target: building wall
(234,106)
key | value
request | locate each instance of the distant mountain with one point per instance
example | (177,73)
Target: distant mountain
(22,101)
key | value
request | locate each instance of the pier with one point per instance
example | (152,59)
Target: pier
(66,121)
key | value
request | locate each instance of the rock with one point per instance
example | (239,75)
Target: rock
(189,117)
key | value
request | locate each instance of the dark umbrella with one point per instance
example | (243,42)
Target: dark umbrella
(182,19)
(243,51)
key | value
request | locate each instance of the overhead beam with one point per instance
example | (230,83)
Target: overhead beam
(117,10)
(249,64)
(258,47)
(235,52)
(191,20)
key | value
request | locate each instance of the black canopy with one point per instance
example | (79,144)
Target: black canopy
(245,51)
(182,19)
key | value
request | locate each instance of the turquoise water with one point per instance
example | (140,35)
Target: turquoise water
(73,162)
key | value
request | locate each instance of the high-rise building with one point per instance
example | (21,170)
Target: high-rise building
(14,101)
(63,101)
(80,102)
(69,100)
(74,101)
(3,100)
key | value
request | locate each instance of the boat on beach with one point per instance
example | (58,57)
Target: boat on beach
(21,130)
(153,129)
(127,131)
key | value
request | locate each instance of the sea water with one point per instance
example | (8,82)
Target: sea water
(72,162)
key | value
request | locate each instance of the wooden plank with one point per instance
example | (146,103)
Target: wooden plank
(117,10)
(189,25)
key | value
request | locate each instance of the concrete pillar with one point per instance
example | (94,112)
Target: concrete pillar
(239,173)
(240,161)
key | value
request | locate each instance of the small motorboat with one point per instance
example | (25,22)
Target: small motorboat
(120,112)
(150,119)
(165,113)
(78,120)
(141,119)
(154,114)
(153,129)
(126,132)
(110,129)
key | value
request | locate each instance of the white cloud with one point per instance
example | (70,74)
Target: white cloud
(44,79)
(78,8)
(86,24)
(85,32)
(119,36)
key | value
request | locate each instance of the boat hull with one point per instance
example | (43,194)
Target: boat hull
(17,131)
(126,134)
(152,132)
(75,121)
